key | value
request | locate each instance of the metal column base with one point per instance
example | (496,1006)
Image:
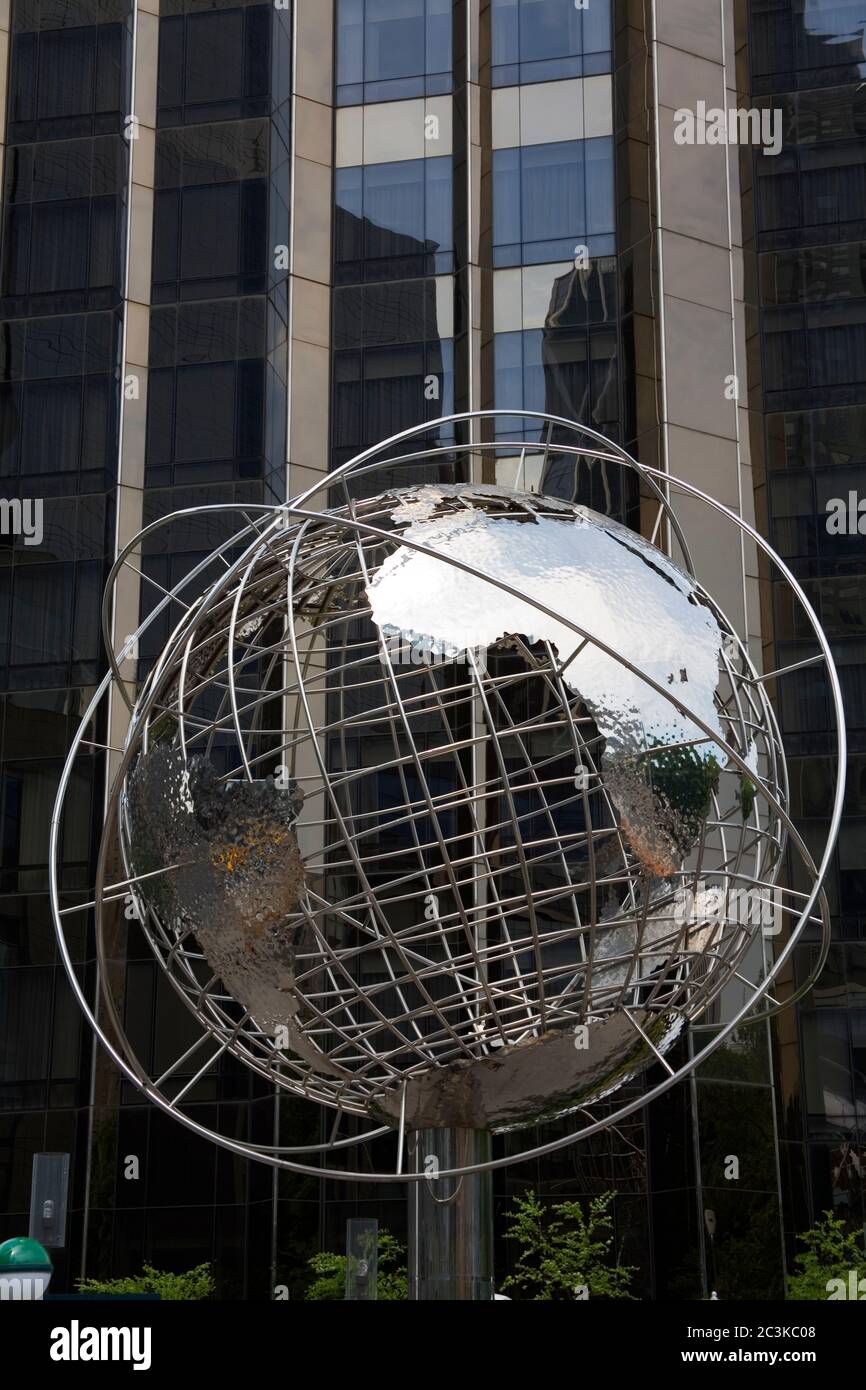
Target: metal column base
(450,1220)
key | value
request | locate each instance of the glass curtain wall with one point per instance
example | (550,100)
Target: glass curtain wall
(61,277)
(808,61)
(216,432)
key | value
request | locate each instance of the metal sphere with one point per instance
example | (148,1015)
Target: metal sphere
(460,892)
(450,806)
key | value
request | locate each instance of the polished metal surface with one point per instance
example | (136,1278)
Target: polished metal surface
(240,876)
(447,972)
(623,591)
(441,807)
(451,1219)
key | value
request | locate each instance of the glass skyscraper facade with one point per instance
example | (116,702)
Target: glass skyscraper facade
(66,167)
(807,61)
(242,242)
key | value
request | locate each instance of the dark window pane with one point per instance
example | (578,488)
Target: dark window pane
(160,417)
(166,220)
(22,78)
(66,69)
(257,52)
(170,70)
(103,251)
(51,425)
(214,56)
(109,68)
(253,230)
(251,393)
(858,1049)
(205,418)
(98,441)
(58,258)
(828,1067)
(41,615)
(209,232)
(16,250)
(25,1004)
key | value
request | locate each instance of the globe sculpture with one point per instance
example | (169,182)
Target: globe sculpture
(448,804)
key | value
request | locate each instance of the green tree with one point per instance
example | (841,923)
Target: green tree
(830,1253)
(565,1250)
(330,1272)
(194,1283)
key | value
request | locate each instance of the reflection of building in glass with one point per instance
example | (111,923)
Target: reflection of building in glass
(581,382)
(391,367)
(810,294)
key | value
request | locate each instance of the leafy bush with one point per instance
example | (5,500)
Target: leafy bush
(330,1271)
(564,1251)
(195,1283)
(830,1253)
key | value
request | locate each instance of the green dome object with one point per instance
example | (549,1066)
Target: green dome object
(24,1255)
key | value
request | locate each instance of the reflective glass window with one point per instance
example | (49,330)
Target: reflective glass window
(806,42)
(59,433)
(393,221)
(210,241)
(570,372)
(392,49)
(814,274)
(205,422)
(214,66)
(66,82)
(547,199)
(380,391)
(829,1088)
(59,256)
(540,40)
(819,178)
(405,311)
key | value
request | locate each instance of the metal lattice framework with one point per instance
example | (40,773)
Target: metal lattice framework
(414,867)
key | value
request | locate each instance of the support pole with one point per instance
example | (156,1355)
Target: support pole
(451,1219)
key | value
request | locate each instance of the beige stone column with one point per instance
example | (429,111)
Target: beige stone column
(310,252)
(141,134)
(700,318)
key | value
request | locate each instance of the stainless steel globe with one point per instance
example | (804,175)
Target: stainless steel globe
(452,805)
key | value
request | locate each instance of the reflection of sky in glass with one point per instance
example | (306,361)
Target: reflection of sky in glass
(835,23)
(549,198)
(822,40)
(531,31)
(382,42)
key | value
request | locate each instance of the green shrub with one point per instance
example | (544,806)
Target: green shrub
(195,1283)
(564,1251)
(830,1253)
